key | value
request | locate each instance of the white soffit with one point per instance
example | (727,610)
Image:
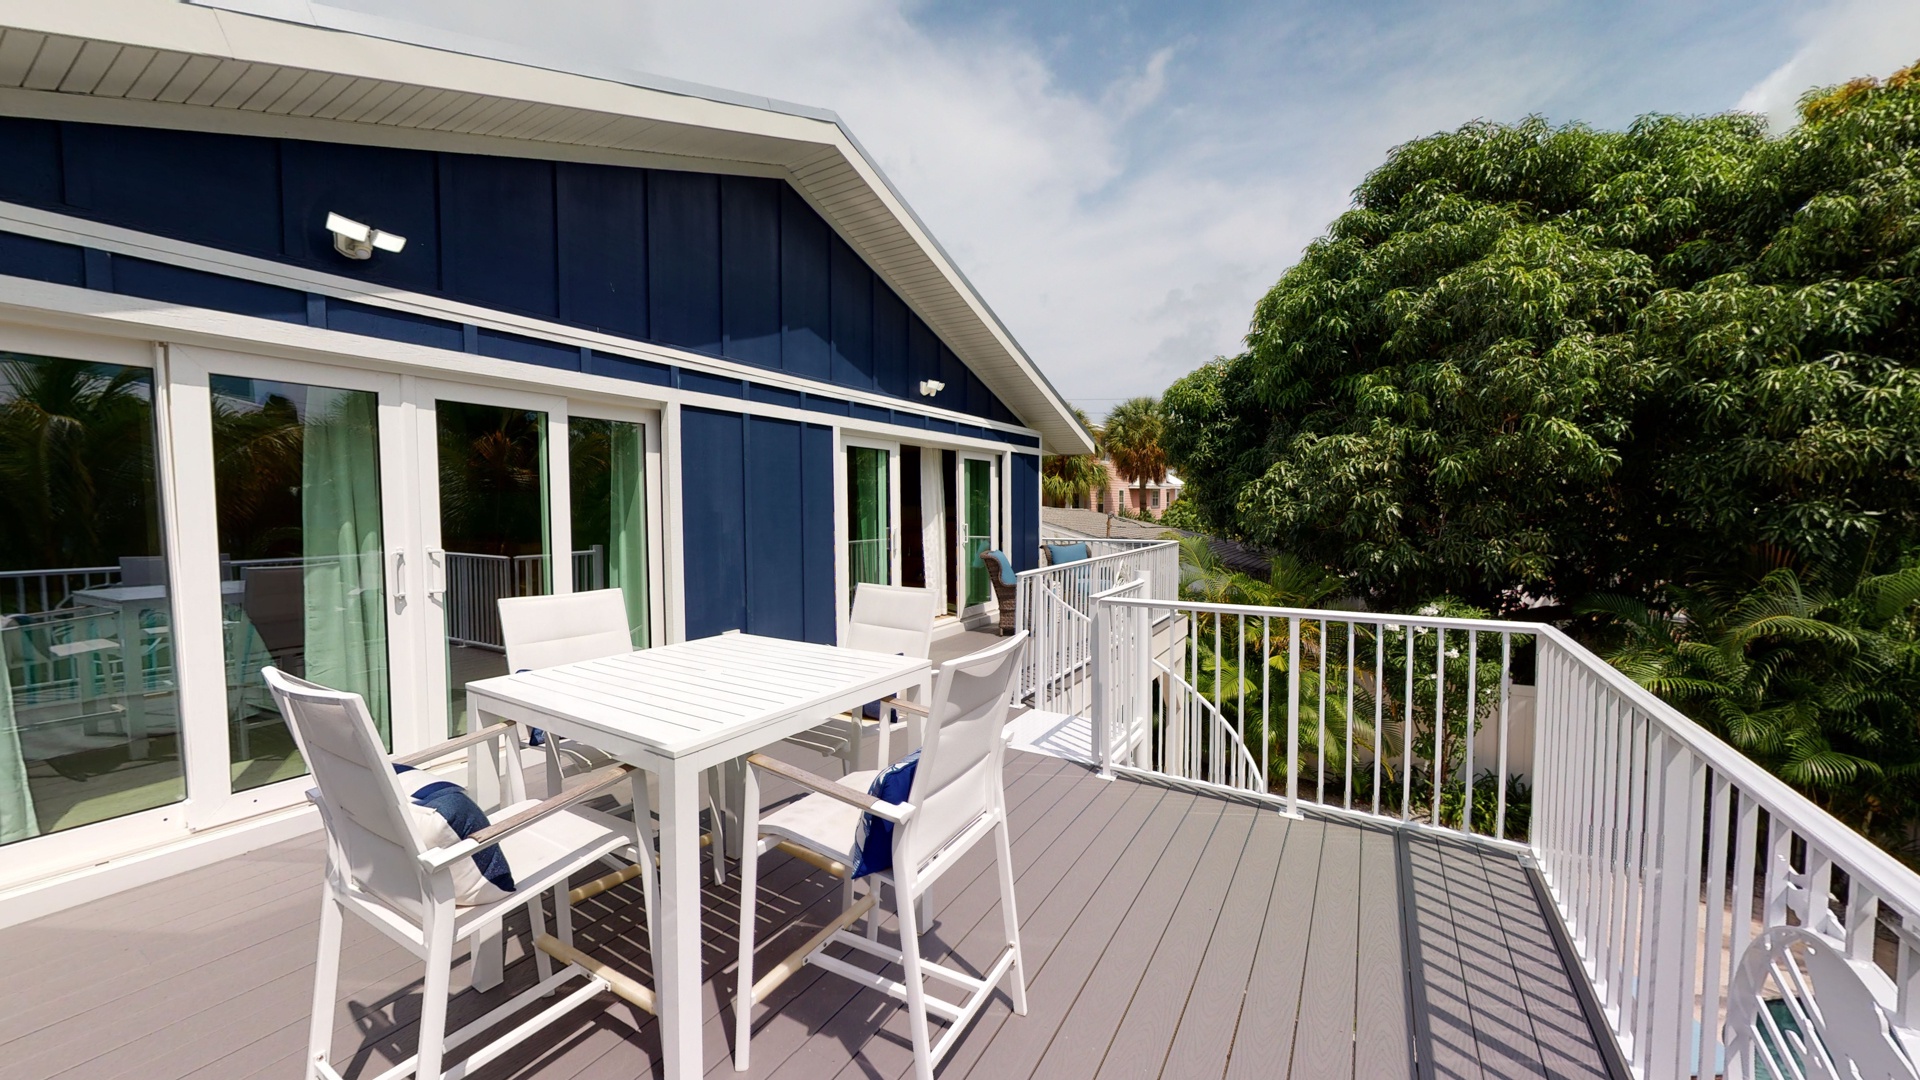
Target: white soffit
(301,63)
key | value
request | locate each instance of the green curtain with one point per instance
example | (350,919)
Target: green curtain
(17,819)
(627,524)
(867,516)
(341,544)
(979,499)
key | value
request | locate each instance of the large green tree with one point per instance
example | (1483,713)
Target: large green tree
(1538,361)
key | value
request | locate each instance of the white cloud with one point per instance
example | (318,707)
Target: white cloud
(1840,41)
(1124,221)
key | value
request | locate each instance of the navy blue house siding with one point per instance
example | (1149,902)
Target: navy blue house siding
(757,525)
(1026,512)
(740,267)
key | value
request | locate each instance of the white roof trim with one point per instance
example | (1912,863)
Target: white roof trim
(288,61)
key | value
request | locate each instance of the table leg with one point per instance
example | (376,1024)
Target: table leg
(133,676)
(678,973)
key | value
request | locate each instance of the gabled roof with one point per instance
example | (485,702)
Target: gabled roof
(305,70)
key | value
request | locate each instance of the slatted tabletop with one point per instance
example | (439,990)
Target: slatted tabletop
(678,699)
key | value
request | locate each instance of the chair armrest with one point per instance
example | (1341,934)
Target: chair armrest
(905,706)
(894,812)
(594,783)
(440,750)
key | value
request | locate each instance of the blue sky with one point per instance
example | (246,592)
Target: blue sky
(1122,180)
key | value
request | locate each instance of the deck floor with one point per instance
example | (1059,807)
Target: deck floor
(1167,934)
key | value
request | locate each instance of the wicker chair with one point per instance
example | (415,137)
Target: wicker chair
(1007,595)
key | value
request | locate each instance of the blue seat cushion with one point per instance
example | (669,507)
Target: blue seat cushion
(875,842)
(1066,553)
(1006,567)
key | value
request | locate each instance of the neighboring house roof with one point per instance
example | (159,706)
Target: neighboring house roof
(1092,524)
(306,70)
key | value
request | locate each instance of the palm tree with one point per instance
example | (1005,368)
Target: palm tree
(1066,478)
(1132,436)
(1813,674)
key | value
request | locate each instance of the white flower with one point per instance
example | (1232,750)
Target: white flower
(1429,610)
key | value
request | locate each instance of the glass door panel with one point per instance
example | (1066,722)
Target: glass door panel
(608,465)
(493,532)
(977,481)
(869,524)
(89,720)
(297,500)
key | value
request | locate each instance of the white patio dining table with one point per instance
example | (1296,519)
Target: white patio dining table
(676,710)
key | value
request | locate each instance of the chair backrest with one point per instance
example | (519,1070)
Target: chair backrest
(362,806)
(143,570)
(275,600)
(892,619)
(958,778)
(546,631)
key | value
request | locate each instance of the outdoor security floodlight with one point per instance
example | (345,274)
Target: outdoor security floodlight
(357,241)
(930,387)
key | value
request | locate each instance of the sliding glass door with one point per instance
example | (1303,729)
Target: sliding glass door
(89,708)
(979,495)
(612,490)
(488,531)
(302,556)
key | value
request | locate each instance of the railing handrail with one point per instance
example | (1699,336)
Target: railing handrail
(1886,876)
(1444,622)
(1041,571)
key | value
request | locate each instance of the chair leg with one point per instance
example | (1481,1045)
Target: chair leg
(916,982)
(749,888)
(537,925)
(562,915)
(1009,915)
(326,985)
(717,835)
(554,780)
(434,993)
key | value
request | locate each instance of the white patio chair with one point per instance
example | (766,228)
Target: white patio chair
(547,631)
(380,869)
(885,619)
(957,799)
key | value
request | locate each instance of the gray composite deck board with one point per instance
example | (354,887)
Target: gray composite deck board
(1166,933)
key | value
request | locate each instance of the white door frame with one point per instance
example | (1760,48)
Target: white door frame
(53,852)
(843,528)
(200,649)
(428,720)
(995,542)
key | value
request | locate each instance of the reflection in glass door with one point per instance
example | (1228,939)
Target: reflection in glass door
(89,720)
(869,524)
(297,498)
(607,464)
(977,500)
(493,532)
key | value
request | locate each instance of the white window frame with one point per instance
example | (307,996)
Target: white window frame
(201,659)
(54,852)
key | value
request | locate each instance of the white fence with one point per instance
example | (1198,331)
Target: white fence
(1726,924)
(1055,604)
(476,583)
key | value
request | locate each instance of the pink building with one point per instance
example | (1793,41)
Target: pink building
(1119,493)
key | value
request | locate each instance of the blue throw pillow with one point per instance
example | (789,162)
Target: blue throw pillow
(874,846)
(1066,553)
(1006,567)
(443,814)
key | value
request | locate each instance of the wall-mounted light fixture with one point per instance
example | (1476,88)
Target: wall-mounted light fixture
(930,387)
(357,241)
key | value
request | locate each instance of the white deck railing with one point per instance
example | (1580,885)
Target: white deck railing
(1726,924)
(1055,605)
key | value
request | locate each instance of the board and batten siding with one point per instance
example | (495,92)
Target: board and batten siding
(738,267)
(757,521)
